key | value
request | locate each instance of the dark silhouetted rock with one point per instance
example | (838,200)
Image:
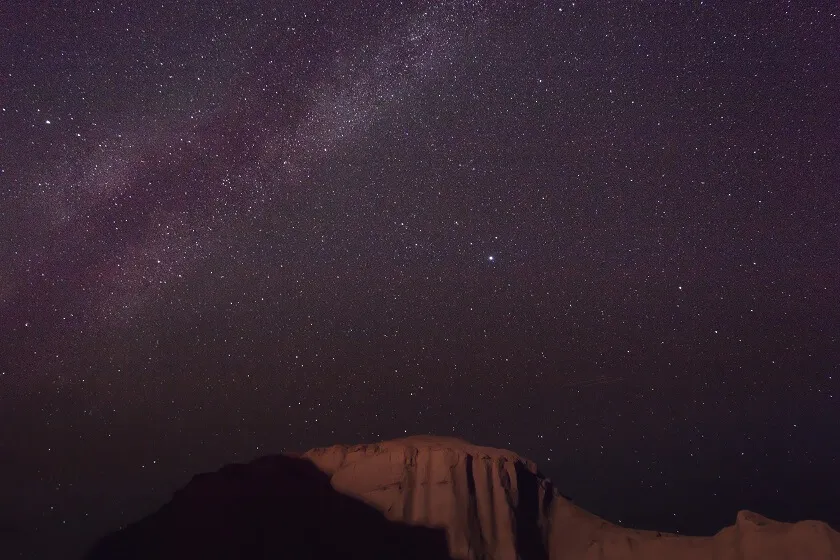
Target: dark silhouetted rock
(275,507)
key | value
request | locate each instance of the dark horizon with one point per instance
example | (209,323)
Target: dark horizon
(602,236)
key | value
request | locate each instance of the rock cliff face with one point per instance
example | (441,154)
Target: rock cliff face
(487,503)
(492,503)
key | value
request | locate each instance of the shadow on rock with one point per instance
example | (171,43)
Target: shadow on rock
(275,507)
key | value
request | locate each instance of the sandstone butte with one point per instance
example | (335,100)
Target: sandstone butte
(423,497)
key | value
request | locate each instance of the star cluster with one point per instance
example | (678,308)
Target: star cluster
(603,235)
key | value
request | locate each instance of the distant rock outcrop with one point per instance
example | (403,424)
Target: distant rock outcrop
(485,503)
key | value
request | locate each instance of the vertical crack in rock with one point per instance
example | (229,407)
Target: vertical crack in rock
(529,538)
(428,480)
(545,511)
(476,543)
(409,482)
(493,523)
(506,518)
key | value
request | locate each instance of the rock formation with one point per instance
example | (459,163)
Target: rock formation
(275,507)
(487,503)
(491,502)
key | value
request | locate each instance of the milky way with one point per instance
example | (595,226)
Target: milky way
(602,236)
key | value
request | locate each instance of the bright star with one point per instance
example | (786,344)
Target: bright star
(491,258)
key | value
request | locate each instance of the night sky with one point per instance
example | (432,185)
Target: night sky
(603,235)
